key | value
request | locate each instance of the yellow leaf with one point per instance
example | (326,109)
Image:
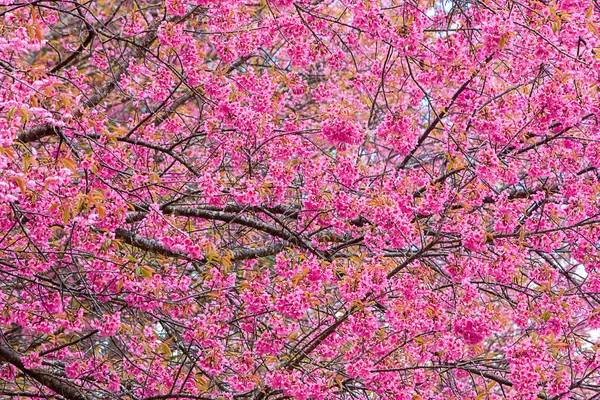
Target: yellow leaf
(154,178)
(106,245)
(297,279)
(8,152)
(38,32)
(26,162)
(546,316)
(164,349)
(70,164)
(10,113)
(24,115)
(202,383)
(100,209)
(66,214)
(97,195)
(21,184)
(146,271)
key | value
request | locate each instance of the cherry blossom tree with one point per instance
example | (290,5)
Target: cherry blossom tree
(310,199)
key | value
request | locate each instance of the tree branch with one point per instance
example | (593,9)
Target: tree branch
(441,115)
(57,385)
(48,129)
(154,246)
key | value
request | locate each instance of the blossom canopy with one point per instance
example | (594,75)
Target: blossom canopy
(310,199)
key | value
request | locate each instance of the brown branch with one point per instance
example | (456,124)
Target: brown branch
(8,67)
(543,141)
(48,129)
(65,389)
(13,394)
(38,132)
(295,361)
(259,252)
(410,259)
(473,370)
(439,117)
(76,53)
(161,149)
(154,246)
(147,244)
(177,396)
(71,343)
(232,218)
(493,377)
(238,63)
(174,106)
(290,212)
(187,97)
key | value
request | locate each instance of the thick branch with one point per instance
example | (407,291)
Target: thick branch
(284,210)
(231,218)
(147,244)
(59,386)
(76,53)
(157,247)
(38,132)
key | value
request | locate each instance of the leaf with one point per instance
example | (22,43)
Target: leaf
(165,350)
(430,311)
(145,271)
(106,245)
(38,32)
(154,178)
(100,209)
(10,114)
(546,316)
(297,279)
(226,262)
(26,162)
(21,184)
(66,213)
(202,383)
(24,115)
(69,163)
